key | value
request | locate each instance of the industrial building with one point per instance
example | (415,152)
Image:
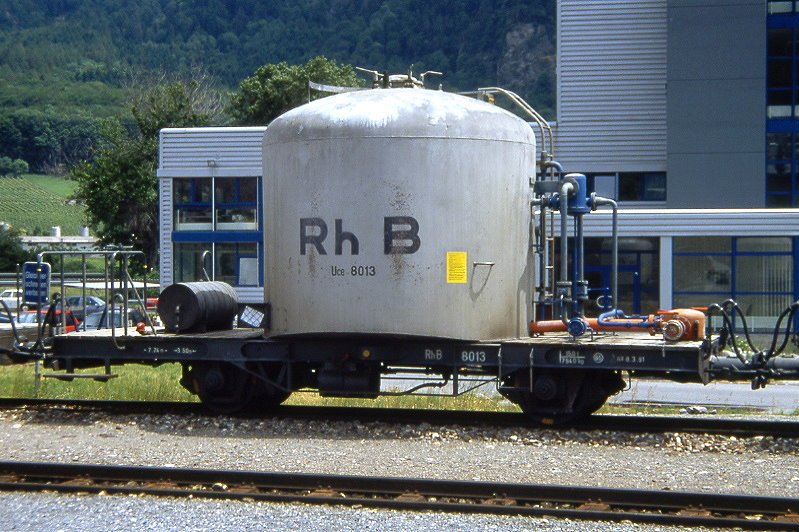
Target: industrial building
(685,111)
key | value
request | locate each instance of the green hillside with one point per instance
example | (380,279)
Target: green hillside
(473,42)
(65,65)
(79,54)
(35,203)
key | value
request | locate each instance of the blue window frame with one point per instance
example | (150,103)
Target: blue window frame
(192,200)
(226,223)
(642,186)
(759,273)
(782,105)
(236,203)
(781,169)
(639,274)
(782,6)
(629,186)
(230,260)
(237,263)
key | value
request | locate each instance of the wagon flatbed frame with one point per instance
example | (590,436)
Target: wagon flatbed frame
(354,366)
(625,351)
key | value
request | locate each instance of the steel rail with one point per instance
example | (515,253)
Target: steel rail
(620,423)
(572,502)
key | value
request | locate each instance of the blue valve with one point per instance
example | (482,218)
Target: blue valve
(577,327)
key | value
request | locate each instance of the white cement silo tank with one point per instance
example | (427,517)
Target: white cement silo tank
(398,212)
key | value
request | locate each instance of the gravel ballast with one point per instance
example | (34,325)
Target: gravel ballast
(684,462)
(759,465)
(36,512)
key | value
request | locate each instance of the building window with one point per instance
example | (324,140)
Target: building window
(782,106)
(639,274)
(188,262)
(192,204)
(217,218)
(756,272)
(236,203)
(781,182)
(782,6)
(781,98)
(235,263)
(629,186)
(642,186)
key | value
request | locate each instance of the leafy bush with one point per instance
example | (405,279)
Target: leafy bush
(12,167)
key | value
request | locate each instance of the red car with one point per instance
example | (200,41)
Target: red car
(55,319)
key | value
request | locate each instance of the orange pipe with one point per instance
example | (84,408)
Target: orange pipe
(688,323)
(538,327)
(692,320)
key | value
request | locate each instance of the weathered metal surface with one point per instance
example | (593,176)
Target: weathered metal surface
(25,331)
(367,197)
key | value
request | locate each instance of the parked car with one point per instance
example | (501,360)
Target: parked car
(76,305)
(30,316)
(99,320)
(11,296)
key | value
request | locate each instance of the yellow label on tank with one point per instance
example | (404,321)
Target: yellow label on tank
(456,267)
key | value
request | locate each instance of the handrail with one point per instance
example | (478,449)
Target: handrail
(109,277)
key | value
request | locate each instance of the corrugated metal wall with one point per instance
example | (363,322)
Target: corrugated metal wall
(186,151)
(612,85)
(165,231)
(694,222)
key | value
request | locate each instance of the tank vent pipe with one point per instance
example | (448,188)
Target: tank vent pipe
(598,201)
(565,189)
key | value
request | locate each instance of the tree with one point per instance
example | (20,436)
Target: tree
(11,252)
(119,186)
(119,190)
(163,101)
(276,88)
(48,142)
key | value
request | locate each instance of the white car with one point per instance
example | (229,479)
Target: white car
(10,297)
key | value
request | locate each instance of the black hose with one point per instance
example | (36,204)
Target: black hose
(737,309)
(773,350)
(730,328)
(731,307)
(47,319)
(786,336)
(790,312)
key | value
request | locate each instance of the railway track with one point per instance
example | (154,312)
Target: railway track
(637,424)
(567,502)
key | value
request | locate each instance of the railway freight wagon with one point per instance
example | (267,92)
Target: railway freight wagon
(413,232)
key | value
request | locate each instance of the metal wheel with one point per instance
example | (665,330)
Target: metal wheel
(223,387)
(226,388)
(561,397)
(271,387)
